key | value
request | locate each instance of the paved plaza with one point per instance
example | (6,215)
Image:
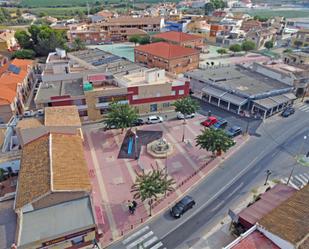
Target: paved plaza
(112,177)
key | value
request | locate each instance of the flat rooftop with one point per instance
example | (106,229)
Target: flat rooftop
(59,88)
(55,220)
(8,220)
(236,78)
(62,116)
(101,60)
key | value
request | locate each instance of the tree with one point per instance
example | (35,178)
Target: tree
(288,50)
(209,8)
(120,115)
(24,54)
(135,39)
(260,18)
(269,45)
(218,4)
(23,39)
(78,44)
(298,44)
(144,40)
(235,48)
(18,12)
(215,141)
(185,106)
(149,186)
(248,46)
(154,39)
(221,51)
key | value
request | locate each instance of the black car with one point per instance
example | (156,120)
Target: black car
(234,131)
(182,206)
(287,112)
(220,124)
(138,122)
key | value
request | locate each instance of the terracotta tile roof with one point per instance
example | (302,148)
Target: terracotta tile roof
(29,123)
(53,162)
(175,36)
(62,116)
(9,80)
(166,50)
(69,166)
(34,174)
(255,240)
(290,220)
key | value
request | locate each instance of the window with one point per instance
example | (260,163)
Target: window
(181,92)
(173,93)
(83,113)
(153,107)
(77,241)
(135,97)
(166,105)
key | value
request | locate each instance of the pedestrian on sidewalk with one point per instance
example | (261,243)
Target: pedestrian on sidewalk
(134,204)
(131,206)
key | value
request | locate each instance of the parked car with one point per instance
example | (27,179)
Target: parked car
(40,112)
(234,131)
(182,206)
(138,122)
(287,112)
(209,121)
(221,124)
(154,120)
(307,101)
(187,116)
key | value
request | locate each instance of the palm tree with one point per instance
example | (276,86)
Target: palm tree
(149,186)
(120,116)
(78,44)
(186,106)
(215,141)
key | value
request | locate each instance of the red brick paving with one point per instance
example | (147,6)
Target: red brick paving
(117,174)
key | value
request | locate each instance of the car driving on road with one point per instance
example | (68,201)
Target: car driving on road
(154,120)
(287,112)
(182,206)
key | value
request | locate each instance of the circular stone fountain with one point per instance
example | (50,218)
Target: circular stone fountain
(160,148)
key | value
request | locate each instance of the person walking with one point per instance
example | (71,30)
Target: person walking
(131,207)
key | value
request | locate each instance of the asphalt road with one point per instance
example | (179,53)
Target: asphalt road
(273,147)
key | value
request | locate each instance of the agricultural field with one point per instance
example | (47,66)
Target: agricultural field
(57,3)
(289,13)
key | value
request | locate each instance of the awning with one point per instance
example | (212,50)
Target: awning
(290,96)
(213,91)
(234,99)
(265,104)
(280,99)
(224,95)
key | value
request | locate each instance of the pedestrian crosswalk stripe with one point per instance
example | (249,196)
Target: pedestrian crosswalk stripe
(300,179)
(157,246)
(297,181)
(151,241)
(140,240)
(304,108)
(135,235)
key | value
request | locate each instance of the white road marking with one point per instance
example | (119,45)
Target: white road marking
(157,246)
(140,240)
(135,235)
(151,241)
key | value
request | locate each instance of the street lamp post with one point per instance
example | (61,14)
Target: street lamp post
(268,173)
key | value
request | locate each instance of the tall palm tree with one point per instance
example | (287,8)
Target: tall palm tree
(186,106)
(215,141)
(120,116)
(150,186)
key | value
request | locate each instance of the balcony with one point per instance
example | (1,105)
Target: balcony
(106,104)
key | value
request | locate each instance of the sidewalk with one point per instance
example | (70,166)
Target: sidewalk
(112,177)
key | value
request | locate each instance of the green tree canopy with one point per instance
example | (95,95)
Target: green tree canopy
(221,51)
(215,141)
(135,39)
(298,44)
(24,54)
(24,39)
(144,40)
(209,8)
(235,48)
(120,115)
(78,44)
(150,186)
(248,45)
(154,39)
(260,18)
(269,44)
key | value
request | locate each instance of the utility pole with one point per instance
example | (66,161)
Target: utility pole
(268,173)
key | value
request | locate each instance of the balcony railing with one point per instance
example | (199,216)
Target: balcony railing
(106,104)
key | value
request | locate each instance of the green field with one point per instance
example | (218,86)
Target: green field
(285,13)
(58,12)
(57,3)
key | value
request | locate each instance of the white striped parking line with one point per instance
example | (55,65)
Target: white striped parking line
(140,240)
(135,235)
(157,246)
(151,241)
